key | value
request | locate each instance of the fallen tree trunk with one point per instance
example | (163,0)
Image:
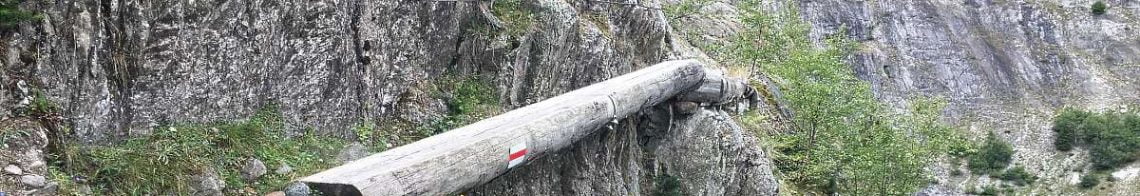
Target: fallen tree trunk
(475,154)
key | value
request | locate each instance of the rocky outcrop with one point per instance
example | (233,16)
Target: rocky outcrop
(22,153)
(1004,66)
(119,68)
(705,153)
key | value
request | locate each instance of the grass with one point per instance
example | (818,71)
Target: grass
(165,161)
(515,14)
(469,99)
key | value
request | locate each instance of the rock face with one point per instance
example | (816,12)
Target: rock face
(120,68)
(1004,66)
(705,152)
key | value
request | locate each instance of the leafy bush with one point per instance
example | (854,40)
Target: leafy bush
(668,185)
(1099,8)
(10,13)
(1090,180)
(1018,176)
(994,156)
(1112,138)
(1066,125)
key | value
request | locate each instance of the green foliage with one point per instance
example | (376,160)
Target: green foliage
(668,185)
(993,156)
(367,133)
(1018,176)
(41,107)
(10,13)
(1066,126)
(515,14)
(470,94)
(685,8)
(846,141)
(471,99)
(1090,180)
(988,190)
(10,134)
(1112,138)
(1098,8)
(164,162)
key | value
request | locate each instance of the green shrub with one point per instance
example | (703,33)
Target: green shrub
(1099,8)
(10,13)
(988,190)
(1018,176)
(515,15)
(1066,126)
(1112,138)
(1090,180)
(994,156)
(668,185)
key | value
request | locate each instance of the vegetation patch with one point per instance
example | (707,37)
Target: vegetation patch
(164,162)
(11,14)
(668,185)
(469,99)
(1090,180)
(685,8)
(1112,138)
(992,157)
(846,142)
(515,15)
(1018,176)
(1098,8)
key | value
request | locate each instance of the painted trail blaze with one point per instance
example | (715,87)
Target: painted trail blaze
(517,155)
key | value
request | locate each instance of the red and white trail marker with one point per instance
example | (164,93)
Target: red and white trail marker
(517,155)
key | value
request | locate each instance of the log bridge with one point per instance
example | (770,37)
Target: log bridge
(468,156)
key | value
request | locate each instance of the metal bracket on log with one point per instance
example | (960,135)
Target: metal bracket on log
(462,158)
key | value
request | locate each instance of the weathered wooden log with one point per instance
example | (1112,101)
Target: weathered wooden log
(718,88)
(475,154)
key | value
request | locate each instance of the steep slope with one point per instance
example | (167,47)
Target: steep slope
(1005,67)
(123,69)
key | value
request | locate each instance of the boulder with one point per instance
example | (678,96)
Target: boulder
(34,181)
(253,169)
(13,170)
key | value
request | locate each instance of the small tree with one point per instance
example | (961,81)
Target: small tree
(994,156)
(1067,128)
(1098,8)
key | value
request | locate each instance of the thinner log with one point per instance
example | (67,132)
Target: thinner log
(475,154)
